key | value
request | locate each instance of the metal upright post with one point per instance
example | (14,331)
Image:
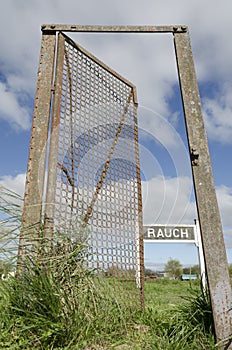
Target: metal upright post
(53,146)
(32,211)
(208,212)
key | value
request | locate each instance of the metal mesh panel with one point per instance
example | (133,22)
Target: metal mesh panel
(97,193)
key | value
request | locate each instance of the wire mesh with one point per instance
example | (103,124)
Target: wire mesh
(97,194)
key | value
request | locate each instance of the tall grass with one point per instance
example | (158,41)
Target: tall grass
(58,306)
(58,303)
(192,318)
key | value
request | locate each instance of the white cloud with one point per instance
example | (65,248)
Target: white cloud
(218,112)
(160,128)
(146,60)
(224,196)
(164,199)
(14,183)
(11,110)
(167,201)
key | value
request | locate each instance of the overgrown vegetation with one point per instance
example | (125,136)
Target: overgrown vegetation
(60,304)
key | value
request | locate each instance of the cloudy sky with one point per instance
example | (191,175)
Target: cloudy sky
(148,61)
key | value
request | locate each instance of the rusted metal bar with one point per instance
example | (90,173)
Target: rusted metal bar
(208,212)
(113,29)
(31,219)
(53,147)
(140,244)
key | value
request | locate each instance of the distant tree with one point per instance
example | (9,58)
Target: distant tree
(173,268)
(194,270)
(148,272)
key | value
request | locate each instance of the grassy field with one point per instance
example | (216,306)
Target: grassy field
(166,294)
(58,304)
(36,314)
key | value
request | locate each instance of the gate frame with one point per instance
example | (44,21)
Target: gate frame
(208,211)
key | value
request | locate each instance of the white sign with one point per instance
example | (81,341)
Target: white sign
(181,233)
(177,234)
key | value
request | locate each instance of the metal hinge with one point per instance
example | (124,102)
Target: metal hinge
(194,156)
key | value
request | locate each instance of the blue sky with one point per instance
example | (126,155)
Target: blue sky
(148,61)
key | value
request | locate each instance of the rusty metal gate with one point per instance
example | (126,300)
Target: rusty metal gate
(93,173)
(93,191)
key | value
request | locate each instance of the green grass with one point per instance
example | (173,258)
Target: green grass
(59,304)
(184,311)
(165,293)
(40,312)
